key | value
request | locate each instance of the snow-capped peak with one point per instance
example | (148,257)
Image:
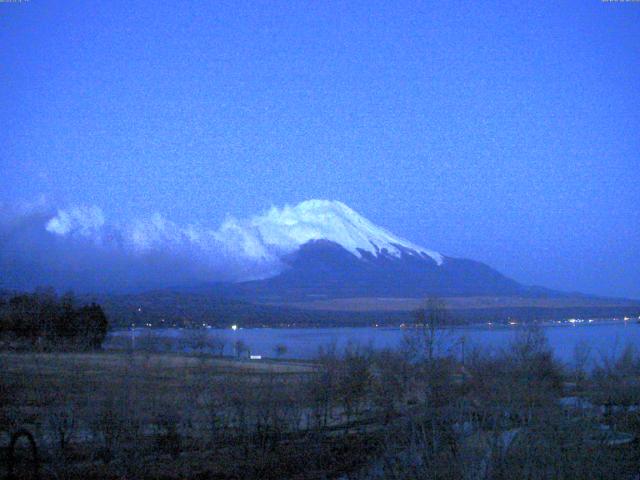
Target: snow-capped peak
(288,228)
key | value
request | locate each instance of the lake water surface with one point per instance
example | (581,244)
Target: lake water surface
(604,339)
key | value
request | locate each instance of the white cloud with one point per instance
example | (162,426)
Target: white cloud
(82,220)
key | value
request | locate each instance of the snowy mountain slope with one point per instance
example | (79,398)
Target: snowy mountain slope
(287,229)
(327,250)
(324,269)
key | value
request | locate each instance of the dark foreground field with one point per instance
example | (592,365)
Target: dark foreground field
(166,416)
(366,415)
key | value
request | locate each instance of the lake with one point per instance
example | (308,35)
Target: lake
(603,338)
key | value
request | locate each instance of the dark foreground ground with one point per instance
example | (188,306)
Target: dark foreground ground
(365,416)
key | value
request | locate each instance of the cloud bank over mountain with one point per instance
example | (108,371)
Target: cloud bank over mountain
(81,248)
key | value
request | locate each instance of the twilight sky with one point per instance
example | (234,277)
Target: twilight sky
(502,131)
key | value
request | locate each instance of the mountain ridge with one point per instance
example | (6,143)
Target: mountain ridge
(324,268)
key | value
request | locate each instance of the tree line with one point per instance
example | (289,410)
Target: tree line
(43,320)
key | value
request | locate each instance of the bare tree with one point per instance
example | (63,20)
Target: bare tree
(280,350)
(62,421)
(218,345)
(200,341)
(581,356)
(429,322)
(322,385)
(241,348)
(354,380)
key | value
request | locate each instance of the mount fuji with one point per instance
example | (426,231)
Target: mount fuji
(327,250)
(327,265)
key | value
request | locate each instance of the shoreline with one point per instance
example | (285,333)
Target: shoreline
(484,325)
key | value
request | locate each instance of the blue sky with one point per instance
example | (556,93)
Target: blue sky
(506,132)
